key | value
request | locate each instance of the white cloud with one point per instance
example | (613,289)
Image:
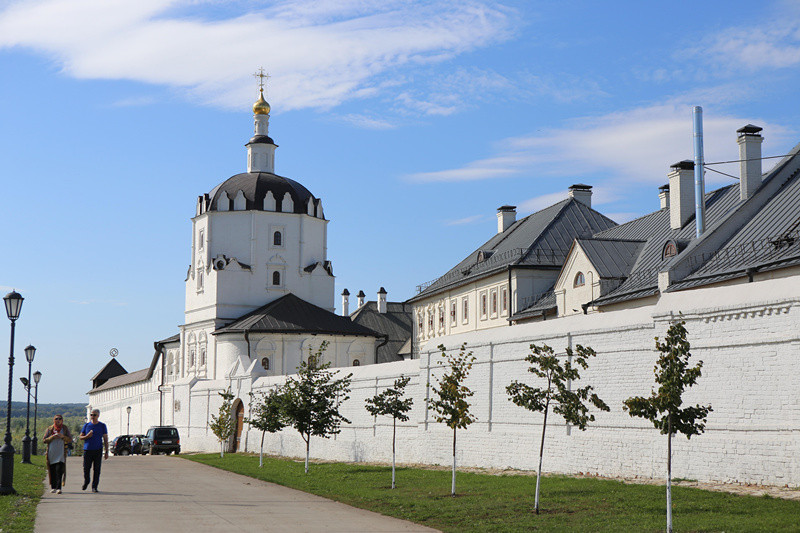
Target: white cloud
(135,101)
(319,54)
(465,220)
(774,45)
(367,123)
(633,146)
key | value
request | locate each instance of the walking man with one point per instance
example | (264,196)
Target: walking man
(95,439)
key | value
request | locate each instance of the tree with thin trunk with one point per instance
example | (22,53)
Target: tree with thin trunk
(223,424)
(267,414)
(673,375)
(390,402)
(313,399)
(451,405)
(570,404)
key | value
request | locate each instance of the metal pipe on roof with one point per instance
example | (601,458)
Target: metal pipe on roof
(699,185)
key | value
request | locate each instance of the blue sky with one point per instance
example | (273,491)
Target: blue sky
(413,121)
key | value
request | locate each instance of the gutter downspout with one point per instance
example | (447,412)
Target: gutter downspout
(510,298)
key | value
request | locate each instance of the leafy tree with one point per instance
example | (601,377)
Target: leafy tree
(313,398)
(223,425)
(570,404)
(663,407)
(390,402)
(451,405)
(267,415)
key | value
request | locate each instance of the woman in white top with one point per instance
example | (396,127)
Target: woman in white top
(56,437)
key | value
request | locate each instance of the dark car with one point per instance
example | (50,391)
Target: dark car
(161,439)
(127,445)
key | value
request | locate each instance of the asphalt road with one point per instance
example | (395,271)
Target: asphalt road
(168,494)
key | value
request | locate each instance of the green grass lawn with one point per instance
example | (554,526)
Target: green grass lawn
(18,512)
(504,503)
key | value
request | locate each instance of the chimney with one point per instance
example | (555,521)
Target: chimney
(382,300)
(360,297)
(681,193)
(506,216)
(582,193)
(345,302)
(750,155)
(663,196)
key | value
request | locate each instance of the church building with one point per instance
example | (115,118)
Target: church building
(259,296)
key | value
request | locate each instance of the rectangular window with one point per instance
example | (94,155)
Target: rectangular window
(441,318)
(465,311)
(484,305)
(504,300)
(453,312)
(201,240)
(493,302)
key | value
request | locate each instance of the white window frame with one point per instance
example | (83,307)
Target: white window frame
(494,305)
(504,300)
(483,305)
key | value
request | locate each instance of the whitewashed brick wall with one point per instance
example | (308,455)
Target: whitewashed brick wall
(748,337)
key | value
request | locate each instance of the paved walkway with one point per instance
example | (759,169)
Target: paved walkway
(160,493)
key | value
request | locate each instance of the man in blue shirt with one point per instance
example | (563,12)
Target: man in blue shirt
(95,438)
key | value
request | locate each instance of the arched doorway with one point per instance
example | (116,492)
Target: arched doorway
(238,413)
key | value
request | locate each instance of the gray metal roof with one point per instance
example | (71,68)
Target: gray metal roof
(611,258)
(547,302)
(125,379)
(290,314)
(762,233)
(656,231)
(395,323)
(540,239)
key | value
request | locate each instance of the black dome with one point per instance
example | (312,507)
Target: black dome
(255,186)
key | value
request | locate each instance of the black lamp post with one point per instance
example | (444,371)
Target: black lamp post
(13,301)
(30,351)
(36,377)
(129,419)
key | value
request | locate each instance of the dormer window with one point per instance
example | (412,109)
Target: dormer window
(670,250)
(277,239)
(483,255)
(580,280)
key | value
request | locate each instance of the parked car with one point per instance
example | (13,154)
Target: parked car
(161,439)
(127,445)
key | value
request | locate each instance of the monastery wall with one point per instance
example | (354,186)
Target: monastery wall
(748,337)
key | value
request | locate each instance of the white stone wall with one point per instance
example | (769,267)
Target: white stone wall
(748,337)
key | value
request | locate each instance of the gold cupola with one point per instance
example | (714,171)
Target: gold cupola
(261,107)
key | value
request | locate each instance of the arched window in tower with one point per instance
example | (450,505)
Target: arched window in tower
(276,278)
(580,280)
(356,362)
(277,239)
(265,363)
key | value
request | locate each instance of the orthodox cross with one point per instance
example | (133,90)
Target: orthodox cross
(261,75)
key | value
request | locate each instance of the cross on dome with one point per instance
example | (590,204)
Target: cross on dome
(261,107)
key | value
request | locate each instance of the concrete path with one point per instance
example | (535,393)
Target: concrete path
(160,493)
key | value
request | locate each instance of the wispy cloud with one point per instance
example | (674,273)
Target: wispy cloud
(635,145)
(368,123)
(135,101)
(773,45)
(465,220)
(319,53)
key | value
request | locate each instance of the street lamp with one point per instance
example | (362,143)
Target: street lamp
(13,301)
(129,419)
(30,351)
(36,377)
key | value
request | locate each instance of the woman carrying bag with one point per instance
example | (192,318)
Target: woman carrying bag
(56,437)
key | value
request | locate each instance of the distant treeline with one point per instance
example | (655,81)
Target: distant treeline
(46,410)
